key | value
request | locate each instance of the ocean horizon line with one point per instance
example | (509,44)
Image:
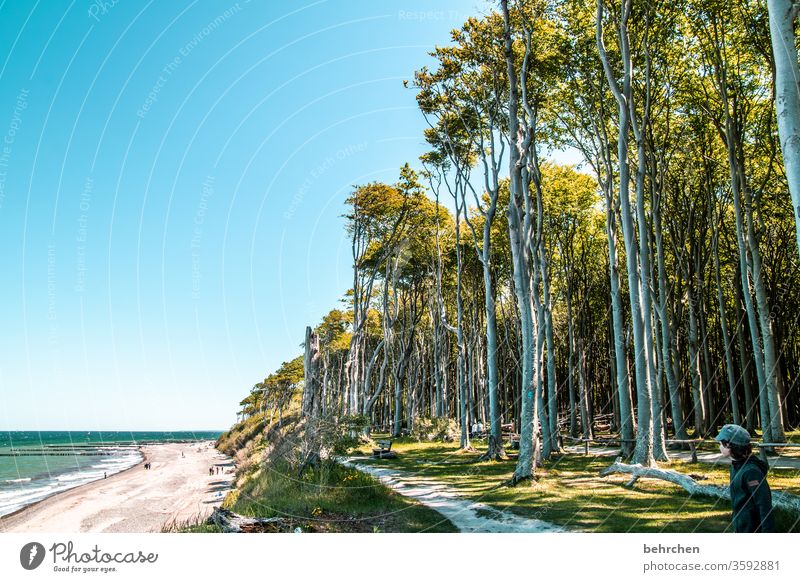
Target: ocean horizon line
(2,430)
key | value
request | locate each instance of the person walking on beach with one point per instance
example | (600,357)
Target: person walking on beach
(751,497)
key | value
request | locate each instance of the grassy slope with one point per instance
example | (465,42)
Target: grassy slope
(334,498)
(329,498)
(571,493)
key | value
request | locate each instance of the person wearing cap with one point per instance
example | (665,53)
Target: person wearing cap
(751,497)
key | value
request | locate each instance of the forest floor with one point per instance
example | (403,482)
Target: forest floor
(703,456)
(568,491)
(467,515)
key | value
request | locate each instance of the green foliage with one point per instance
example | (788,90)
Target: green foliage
(240,433)
(289,374)
(333,333)
(394,223)
(342,435)
(277,392)
(427,428)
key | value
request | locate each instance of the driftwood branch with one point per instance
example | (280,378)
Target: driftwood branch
(230,522)
(693,487)
(785,501)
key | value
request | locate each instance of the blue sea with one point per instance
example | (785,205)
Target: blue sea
(35,465)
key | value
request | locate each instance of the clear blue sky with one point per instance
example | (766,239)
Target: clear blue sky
(172,178)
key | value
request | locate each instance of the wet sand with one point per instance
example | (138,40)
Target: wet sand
(175,490)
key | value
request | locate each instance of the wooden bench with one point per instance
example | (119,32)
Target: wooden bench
(385,450)
(577,440)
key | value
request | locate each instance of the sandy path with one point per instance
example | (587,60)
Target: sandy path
(175,489)
(468,516)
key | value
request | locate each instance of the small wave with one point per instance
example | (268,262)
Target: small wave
(18,493)
(117,464)
(10,505)
(83,476)
(24,494)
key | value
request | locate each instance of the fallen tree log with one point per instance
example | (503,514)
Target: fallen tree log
(230,522)
(785,501)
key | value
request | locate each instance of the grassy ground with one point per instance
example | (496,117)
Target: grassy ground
(334,498)
(570,492)
(331,498)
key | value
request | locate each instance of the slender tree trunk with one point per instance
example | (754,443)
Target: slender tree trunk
(495,450)
(667,362)
(312,384)
(552,386)
(573,424)
(643,452)
(750,264)
(726,340)
(620,345)
(695,374)
(460,344)
(537,252)
(519,229)
(782,16)
(586,422)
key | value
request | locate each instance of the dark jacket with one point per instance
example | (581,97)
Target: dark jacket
(750,496)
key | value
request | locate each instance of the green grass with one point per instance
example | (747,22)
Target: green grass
(332,498)
(234,439)
(569,491)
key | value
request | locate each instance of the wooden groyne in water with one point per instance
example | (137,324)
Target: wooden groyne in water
(98,449)
(57,454)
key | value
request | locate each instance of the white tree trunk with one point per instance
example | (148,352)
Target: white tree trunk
(644,436)
(785,501)
(519,236)
(782,14)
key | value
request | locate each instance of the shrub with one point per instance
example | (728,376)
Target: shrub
(428,428)
(348,433)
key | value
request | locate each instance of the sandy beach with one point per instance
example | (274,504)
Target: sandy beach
(176,489)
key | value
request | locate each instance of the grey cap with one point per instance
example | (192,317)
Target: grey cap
(734,434)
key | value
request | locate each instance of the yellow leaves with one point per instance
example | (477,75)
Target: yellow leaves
(567,191)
